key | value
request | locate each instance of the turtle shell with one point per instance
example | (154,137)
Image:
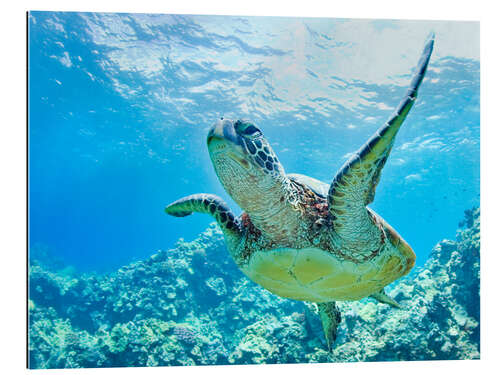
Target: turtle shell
(312,274)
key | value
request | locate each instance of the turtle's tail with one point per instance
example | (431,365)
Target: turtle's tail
(207,204)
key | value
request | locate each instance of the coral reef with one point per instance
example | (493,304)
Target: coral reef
(191,306)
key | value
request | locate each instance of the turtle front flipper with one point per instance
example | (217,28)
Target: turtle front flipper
(207,204)
(330,318)
(353,187)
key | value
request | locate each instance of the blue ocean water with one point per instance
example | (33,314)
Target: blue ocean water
(120,105)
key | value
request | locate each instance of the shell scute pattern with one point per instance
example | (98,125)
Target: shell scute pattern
(316,275)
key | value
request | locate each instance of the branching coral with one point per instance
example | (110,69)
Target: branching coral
(183,307)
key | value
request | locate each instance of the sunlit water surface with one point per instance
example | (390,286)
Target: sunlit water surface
(120,105)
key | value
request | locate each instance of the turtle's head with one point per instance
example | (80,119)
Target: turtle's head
(245,163)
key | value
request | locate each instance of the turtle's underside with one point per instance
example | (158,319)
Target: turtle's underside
(301,238)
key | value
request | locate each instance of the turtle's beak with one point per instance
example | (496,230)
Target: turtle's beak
(223,129)
(215,131)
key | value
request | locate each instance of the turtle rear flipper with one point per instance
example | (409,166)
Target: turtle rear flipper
(383,297)
(330,318)
(353,187)
(207,204)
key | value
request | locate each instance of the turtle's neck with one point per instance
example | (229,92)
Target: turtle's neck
(271,211)
(266,197)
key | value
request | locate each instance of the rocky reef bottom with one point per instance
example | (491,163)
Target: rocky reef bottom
(191,306)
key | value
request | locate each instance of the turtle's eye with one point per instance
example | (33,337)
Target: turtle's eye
(245,129)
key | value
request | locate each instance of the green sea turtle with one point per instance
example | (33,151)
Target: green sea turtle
(301,238)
